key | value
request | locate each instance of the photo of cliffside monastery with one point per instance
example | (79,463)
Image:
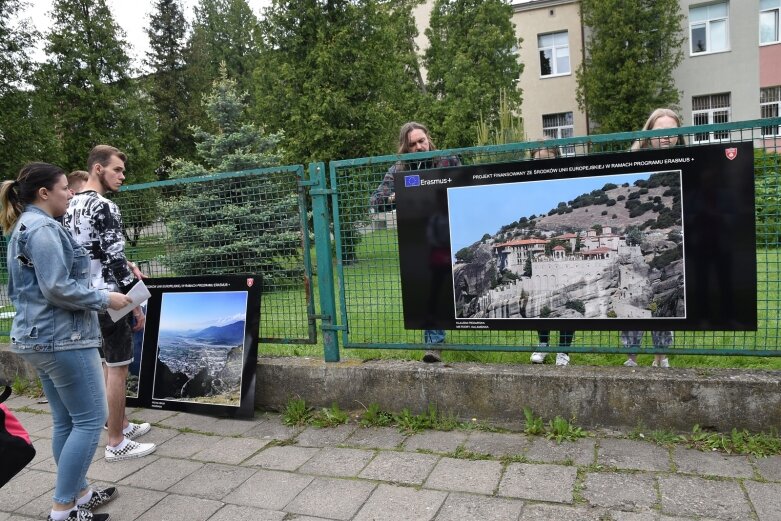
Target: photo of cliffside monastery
(612,249)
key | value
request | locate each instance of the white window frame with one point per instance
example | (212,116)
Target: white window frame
(770,8)
(555,50)
(772,100)
(563,128)
(708,23)
(711,113)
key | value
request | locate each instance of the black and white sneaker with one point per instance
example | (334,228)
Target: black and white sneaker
(131,450)
(83,515)
(134,430)
(100,497)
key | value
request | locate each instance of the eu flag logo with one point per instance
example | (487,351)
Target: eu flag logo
(411,180)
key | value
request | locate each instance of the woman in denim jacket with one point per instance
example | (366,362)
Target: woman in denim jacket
(56,328)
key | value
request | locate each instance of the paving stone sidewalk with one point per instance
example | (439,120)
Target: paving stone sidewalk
(261,470)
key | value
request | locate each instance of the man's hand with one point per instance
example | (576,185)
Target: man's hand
(136,272)
(138,314)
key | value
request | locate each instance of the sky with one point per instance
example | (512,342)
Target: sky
(477,210)
(183,311)
(131,15)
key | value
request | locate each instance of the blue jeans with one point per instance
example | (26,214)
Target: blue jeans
(73,383)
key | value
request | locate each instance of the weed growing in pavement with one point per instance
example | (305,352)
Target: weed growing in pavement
(296,412)
(20,385)
(560,429)
(410,423)
(738,442)
(329,417)
(534,424)
(373,416)
(462,453)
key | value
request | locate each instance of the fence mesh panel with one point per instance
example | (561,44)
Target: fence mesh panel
(253,222)
(368,263)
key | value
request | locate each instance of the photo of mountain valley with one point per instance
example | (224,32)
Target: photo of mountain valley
(200,347)
(595,247)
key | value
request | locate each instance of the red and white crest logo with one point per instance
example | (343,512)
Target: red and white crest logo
(250,282)
(731,153)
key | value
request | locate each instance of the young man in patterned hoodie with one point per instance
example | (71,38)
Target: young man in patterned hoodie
(96,224)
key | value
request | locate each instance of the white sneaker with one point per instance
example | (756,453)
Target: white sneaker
(630,363)
(134,430)
(665,363)
(131,450)
(538,358)
(562,359)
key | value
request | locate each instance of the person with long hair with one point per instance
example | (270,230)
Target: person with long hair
(413,137)
(55,329)
(659,119)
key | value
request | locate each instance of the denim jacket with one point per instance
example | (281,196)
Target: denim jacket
(48,278)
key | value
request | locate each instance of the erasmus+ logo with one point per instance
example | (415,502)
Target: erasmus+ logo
(411,180)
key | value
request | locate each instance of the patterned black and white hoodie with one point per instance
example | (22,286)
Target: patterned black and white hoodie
(96,224)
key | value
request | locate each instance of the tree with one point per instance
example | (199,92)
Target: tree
(167,87)
(470,62)
(247,224)
(24,133)
(634,236)
(340,76)
(527,266)
(632,49)
(86,82)
(224,32)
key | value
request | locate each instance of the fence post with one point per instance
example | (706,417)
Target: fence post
(325,271)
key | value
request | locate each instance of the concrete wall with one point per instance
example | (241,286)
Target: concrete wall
(548,95)
(611,397)
(735,71)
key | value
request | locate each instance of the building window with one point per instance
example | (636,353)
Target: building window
(769,14)
(770,107)
(709,28)
(557,126)
(711,109)
(554,53)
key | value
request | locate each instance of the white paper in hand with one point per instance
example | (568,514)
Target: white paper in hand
(139,293)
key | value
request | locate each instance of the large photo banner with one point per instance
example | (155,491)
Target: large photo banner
(198,350)
(652,239)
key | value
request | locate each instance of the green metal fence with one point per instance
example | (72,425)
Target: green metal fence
(260,221)
(249,222)
(368,264)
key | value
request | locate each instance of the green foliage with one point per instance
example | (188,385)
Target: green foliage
(340,77)
(410,423)
(545,311)
(296,412)
(465,254)
(20,385)
(666,257)
(373,416)
(225,33)
(767,174)
(247,224)
(560,429)
(86,84)
(577,305)
(631,52)
(471,60)
(634,236)
(527,266)
(736,442)
(534,425)
(167,83)
(508,128)
(329,417)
